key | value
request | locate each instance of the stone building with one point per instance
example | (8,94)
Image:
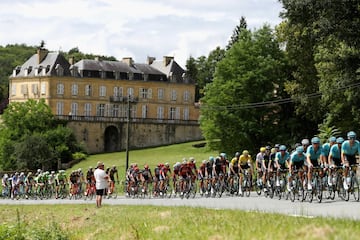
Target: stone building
(112,105)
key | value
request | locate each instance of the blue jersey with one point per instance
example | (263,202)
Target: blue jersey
(314,155)
(325,149)
(282,159)
(296,157)
(335,151)
(355,148)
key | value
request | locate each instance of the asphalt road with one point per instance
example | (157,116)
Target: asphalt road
(327,208)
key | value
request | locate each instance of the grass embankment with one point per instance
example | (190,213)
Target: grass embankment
(146,222)
(152,156)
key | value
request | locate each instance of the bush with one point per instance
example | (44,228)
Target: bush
(79,156)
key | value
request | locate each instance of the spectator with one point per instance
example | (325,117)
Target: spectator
(101,179)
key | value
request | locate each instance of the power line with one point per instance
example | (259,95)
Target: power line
(274,102)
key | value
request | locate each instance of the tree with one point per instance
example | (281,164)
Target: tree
(236,33)
(249,73)
(322,42)
(31,138)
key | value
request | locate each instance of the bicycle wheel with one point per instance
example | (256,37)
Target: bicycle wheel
(355,188)
(319,189)
(193,190)
(248,188)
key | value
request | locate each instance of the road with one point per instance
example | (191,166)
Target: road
(328,208)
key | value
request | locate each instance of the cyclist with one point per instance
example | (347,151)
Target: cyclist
(201,172)
(184,174)
(349,149)
(193,168)
(282,160)
(146,177)
(334,159)
(29,184)
(60,181)
(219,168)
(164,176)
(90,179)
(73,181)
(313,157)
(15,185)
(234,169)
(265,166)
(244,163)
(258,165)
(209,172)
(5,186)
(176,169)
(51,181)
(156,178)
(297,162)
(305,143)
(113,173)
(326,150)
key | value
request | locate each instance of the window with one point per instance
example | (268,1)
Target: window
(130,92)
(186,113)
(144,110)
(60,89)
(160,93)
(102,91)
(173,95)
(35,89)
(88,90)
(160,112)
(59,108)
(118,91)
(74,89)
(172,113)
(143,93)
(186,96)
(87,109)
(24,89)
(13,89)
(123,111)
(100,111)
(43,88)
(115,110)
(74,109)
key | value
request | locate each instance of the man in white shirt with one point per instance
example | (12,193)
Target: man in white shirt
(101,179)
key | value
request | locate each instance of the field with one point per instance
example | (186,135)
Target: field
(146,222)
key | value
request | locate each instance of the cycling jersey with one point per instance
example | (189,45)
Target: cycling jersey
(335,151)
(326,149)
(350,150)
(281,159)
(244,160)
(312,153)
(296,157)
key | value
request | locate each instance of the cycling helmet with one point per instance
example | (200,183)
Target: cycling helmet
(351,134)
(332,139)
(300,149)
(237,154)
(262,149)
(340,140)
(146,166)
(315,140)
(211,159)
(22,174)
(297,145)
(277,145)
(204,161)
(282,148)
(305,141)
(223,155)
(167,164)
(273,150)
(245,152)
(268,148)
(52,172)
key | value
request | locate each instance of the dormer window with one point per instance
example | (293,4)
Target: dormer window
(59,70)
(16,71)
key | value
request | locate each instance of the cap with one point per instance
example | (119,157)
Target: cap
(99,164)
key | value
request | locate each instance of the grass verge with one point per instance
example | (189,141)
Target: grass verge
(149,222)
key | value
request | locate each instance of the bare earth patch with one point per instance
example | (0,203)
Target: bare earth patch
(165,214)
(314,232)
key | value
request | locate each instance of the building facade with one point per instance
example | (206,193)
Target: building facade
(99,98)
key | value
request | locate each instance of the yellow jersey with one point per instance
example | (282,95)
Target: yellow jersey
(244,159)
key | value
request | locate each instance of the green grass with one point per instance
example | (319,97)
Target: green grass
(152,156)
(146,222)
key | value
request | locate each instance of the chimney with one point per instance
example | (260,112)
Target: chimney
(150,60)
(167,60)
(128,61)
(71,60)
(41,52)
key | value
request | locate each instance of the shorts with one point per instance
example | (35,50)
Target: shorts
(246,166)
(337,162)
(315,163)
(351,159)
(297,165)
(100,192)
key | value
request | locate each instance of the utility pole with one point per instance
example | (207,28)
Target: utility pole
(127,133)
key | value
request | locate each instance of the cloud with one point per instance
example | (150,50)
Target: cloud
(135,28)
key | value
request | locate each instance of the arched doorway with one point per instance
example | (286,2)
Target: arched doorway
(111,139)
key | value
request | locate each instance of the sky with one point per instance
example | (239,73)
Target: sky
(132,28)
